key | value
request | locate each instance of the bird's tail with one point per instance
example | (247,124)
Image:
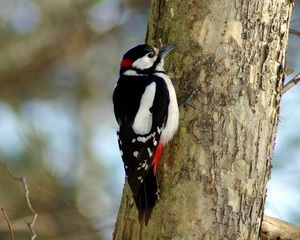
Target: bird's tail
(148,195)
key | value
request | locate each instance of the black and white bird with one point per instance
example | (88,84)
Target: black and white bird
(146,111)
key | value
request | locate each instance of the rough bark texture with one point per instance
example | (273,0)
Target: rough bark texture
(213,175)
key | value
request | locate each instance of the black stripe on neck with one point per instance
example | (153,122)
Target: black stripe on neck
(148,71)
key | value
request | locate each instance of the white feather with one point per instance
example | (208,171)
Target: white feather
(173,112)
(143,120)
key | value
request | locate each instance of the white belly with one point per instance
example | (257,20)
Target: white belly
(173,112)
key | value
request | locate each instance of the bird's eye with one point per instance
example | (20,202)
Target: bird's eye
(150,55)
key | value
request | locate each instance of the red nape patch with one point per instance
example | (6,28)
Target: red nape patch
(126,63)
(157,157)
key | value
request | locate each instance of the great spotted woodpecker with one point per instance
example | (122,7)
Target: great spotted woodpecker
(146,110)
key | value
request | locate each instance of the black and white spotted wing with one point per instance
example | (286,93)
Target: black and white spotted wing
(137,149)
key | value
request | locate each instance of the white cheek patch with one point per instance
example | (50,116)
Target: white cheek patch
(143,120)
(144,62)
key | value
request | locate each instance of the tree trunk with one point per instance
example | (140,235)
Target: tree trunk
(213,175)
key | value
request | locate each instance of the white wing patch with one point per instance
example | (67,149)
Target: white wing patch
(143,120)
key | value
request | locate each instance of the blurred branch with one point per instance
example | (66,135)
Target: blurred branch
(60,224)
(294,32)
(26,78)
(291,83)
(45,191)
(25,187)
(63,37)
(288,71)
(273,229)
(63,34)
(8,223)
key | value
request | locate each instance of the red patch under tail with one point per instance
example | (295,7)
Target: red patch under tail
(157,157)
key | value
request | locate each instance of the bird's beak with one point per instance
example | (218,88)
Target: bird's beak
(165,50)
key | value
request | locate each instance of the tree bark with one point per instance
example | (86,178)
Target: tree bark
(213,175)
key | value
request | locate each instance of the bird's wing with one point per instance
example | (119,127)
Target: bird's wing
(141,107)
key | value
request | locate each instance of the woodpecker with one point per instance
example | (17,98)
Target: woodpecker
(146,110)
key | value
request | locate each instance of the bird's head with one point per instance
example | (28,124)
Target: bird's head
(144,59)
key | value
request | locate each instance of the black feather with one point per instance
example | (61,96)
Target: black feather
(147,196)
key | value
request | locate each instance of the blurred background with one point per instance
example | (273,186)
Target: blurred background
(59,62)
